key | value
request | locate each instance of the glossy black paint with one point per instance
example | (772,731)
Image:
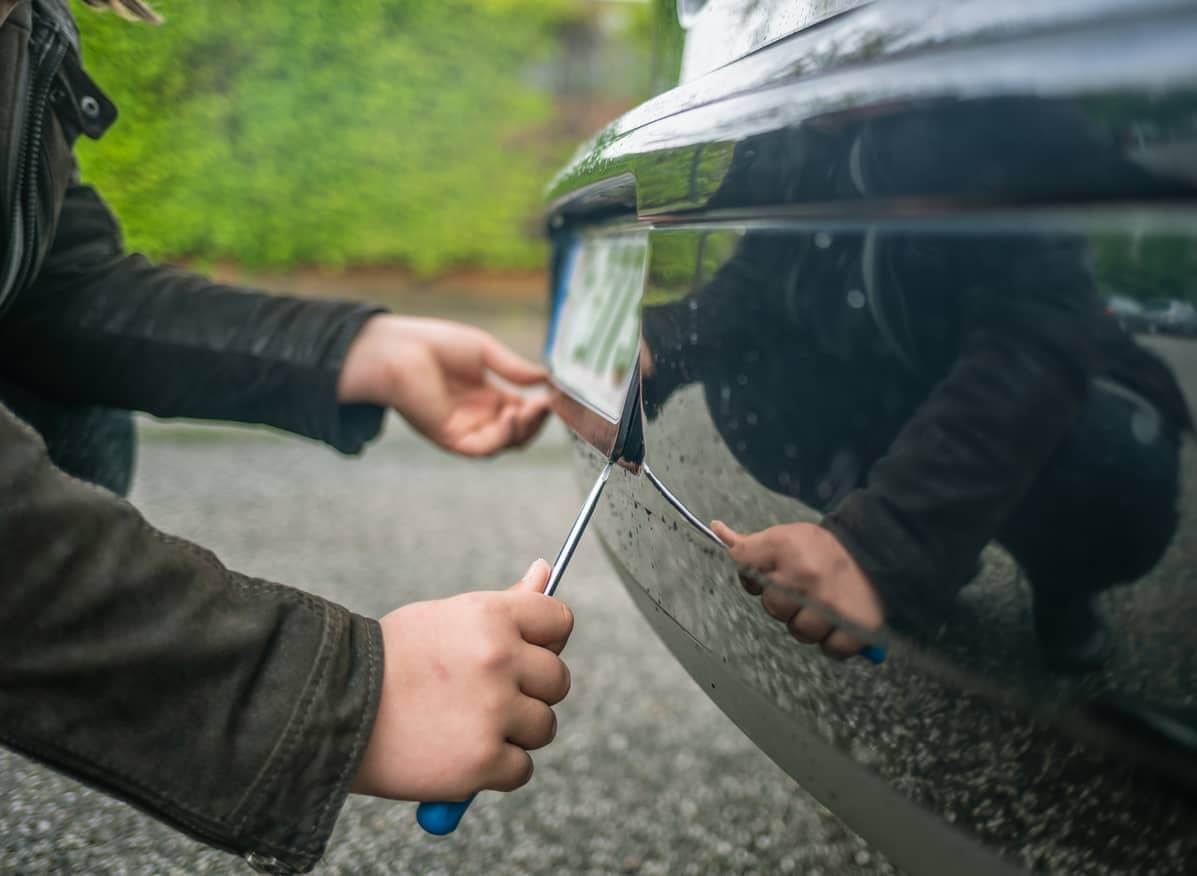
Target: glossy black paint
(828,219)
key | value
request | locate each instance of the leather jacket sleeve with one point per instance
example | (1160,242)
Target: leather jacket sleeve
(235,709)
(976,444)
(102,326)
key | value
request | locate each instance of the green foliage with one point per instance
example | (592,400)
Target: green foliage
(683,261)
(668,40)
(285,132)
(1154,266)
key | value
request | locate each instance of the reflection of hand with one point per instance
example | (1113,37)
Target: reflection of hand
(437,375)
(807,559)
(647,366)
(467,685)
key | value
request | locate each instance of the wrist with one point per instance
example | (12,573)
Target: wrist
(366,372)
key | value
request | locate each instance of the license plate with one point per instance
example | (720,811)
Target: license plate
(594,335)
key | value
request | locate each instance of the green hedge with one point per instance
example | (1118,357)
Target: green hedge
(285,132)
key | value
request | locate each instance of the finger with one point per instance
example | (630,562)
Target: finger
(489,438)
(510,365)
(511,770)
(541,620)
(751,585)
(533,724)
(757,551)
(728,535)
(841,645)
(809,626)
(647,366)
(535,579)
(780,603)
(541,674)
(532,414)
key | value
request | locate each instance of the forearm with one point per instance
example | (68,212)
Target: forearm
(235,709)
(955,472)
(105,327)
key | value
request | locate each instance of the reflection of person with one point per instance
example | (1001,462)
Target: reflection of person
(931,392)
(237,710)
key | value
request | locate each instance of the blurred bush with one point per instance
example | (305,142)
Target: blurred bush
(293,132)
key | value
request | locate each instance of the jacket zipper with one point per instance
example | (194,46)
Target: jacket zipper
(25,188)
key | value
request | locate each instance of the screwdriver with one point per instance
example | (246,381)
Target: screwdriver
(442,818)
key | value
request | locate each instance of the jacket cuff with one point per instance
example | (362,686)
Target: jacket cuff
(916,595)
(292,810)
(347,428)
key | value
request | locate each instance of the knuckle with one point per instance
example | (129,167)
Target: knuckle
(491,654)
(493,705)
(485,758)
(778,605)
(776,539)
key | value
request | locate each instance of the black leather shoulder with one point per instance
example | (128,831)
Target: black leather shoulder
(58,13)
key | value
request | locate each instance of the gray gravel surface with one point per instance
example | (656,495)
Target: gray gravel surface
(646,775)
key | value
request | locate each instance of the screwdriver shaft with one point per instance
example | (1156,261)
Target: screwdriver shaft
(575,531)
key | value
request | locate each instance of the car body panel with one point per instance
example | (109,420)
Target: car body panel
(816,237)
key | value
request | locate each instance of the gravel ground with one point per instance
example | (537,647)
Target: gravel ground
(646,775)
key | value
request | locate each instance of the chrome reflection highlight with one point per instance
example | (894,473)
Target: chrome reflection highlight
(680,507)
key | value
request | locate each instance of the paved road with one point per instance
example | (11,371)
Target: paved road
(646,776)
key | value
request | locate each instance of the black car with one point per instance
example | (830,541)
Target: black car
(845,271)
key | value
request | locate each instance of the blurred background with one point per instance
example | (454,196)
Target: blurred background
(390,149)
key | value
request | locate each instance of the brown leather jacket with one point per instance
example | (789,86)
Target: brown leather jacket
(235,709)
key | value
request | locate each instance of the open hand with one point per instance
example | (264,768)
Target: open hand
(807,560)
(440,376)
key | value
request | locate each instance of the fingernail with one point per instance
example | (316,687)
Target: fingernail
(532,569)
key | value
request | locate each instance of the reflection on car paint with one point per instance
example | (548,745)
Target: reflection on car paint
(767,373)
(678,506)
(930,286)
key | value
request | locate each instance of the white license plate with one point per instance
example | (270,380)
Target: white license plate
(594,335)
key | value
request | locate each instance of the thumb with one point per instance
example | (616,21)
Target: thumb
(534,579)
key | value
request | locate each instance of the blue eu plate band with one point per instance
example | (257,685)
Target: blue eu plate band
(443,817)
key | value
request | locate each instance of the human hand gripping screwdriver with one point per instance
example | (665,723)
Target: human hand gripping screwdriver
(443,817)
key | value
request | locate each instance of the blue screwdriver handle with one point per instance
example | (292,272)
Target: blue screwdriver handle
(873,653)
(442,818)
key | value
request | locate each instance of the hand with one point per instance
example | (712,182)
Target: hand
(437,375)
(808,560)
(467,685)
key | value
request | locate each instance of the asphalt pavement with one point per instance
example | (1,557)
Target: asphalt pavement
(646,775)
